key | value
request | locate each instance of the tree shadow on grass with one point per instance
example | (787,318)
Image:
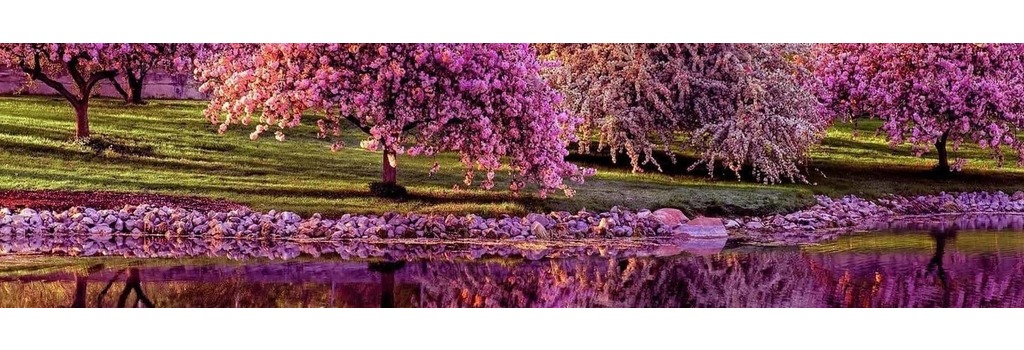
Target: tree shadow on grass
(425,196)
(878,179)
(603,160)
(854,144)
(134,155)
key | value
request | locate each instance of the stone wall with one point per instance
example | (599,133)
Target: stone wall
(158,85)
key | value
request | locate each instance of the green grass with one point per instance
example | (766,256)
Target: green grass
(971,242)
(168,147)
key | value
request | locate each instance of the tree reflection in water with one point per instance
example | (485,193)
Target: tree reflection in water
(133,283)
(940,267)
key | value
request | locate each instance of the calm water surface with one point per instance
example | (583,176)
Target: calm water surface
(938,264)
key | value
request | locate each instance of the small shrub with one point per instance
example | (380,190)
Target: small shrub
(387,190)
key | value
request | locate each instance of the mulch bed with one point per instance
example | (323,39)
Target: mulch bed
(62,200)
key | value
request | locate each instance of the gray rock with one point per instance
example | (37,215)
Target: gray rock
(538,230)
(754,225)
(703,228)
(669,216)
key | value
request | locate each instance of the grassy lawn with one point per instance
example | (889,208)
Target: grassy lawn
(168,147)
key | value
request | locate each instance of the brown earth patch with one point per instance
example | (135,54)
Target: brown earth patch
(62,200)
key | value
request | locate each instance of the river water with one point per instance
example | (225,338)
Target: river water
(972,262)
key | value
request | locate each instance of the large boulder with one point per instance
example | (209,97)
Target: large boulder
(669,216)
(703,227)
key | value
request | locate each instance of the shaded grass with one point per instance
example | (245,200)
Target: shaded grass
(168,147)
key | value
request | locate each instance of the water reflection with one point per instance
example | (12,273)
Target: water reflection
(960,262)
(936,268)
(940,235)
(241,248)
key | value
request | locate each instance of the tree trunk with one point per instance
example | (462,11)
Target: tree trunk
(82,120)
(135,85)
(940,146)
(389,172)
(81,283)
(133,284)
(387,280)
(387,289)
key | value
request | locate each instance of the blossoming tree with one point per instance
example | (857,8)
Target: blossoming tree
(136,60)
(86,64)
(738,105)
(487,102)
(930,95)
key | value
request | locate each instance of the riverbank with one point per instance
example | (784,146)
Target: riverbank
(834,216)
(216,221)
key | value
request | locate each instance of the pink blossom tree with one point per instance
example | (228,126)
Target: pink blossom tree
(930,95)
(487,102)
(86,64)
(136,60)
(737,105)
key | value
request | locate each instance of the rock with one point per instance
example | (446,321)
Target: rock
(779,221)
(706,246)
(754,225)
(101,229)
(669,216)
(538,230)
(1018,196)
(731,224)
(703,227)
(602,227)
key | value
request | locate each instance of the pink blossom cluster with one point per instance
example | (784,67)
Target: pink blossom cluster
(487,102)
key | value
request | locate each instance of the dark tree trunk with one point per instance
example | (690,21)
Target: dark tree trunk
(82,120)
(387,289)
(81,282)
(133,284)
(137,94)
(389,173)
(940,146)
(935,264)
(387,281)
(135,85)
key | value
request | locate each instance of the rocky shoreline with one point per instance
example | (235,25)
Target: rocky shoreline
(824,220)
(831,217)
(139,220)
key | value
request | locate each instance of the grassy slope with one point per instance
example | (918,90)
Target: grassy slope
(171,148)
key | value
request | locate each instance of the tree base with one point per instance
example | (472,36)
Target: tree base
(388,190)
(939,172)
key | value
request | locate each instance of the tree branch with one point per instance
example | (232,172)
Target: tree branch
(72,67)
(96,77)
(358,124)
(36,73)
(413,125)
(120,90)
